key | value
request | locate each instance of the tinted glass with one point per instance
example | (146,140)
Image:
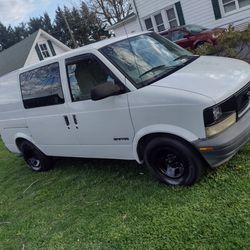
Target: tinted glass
(229,5)
(85,74)
(173,24)
(244,3)
(178,35)
(145,58)
(44,50)
(149,24)
(42,87)
(171,14)
(159,22)
(172,18)
(195,28)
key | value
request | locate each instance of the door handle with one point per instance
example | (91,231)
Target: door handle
(75,121)
(66,119)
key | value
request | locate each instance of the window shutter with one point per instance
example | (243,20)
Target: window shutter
(180,13)
(38,51)
(51,48)
(216,7)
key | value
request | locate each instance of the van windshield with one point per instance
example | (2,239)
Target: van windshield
(147,58)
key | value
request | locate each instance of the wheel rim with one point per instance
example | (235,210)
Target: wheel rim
(170,163)
(34,163)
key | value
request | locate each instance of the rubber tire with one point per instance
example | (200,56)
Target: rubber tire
(193,171)
(29,150)
(201,44)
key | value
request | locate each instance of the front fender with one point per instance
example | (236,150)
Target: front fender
(161,128)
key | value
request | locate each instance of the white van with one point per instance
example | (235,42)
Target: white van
(137,98)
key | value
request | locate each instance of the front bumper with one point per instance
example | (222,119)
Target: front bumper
(224,146)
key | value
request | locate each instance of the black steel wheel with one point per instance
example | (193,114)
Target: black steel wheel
(35,159)
(173,161)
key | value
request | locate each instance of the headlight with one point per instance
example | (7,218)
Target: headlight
(217,112)
(222,125)
(215,36)
(220,117)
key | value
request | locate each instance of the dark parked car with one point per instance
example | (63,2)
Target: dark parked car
(192,36)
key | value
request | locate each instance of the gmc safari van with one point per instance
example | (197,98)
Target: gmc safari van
(139,98)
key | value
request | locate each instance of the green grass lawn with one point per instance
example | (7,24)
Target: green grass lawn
(97,204)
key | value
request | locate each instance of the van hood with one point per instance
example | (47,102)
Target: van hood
(213,77)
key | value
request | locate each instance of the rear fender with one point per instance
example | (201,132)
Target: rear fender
(27,138)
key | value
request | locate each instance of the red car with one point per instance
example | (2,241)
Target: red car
(192,36)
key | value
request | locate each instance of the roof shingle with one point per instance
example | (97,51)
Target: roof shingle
(15,57)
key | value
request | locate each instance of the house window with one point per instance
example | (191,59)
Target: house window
(167,18)
(232,5)
(159,22)
(44,50)
(172,19)
(229,5)
(149,24)
(243,3)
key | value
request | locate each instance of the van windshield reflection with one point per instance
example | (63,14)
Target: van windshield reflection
(146,58)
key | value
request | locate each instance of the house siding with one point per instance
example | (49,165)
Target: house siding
(195,12)
(128,28)
(33,57)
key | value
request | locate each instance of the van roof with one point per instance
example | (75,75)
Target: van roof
(93,46)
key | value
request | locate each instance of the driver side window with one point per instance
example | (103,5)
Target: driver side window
(84,74)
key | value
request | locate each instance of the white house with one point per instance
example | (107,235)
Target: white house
(159,15)
(128,25)
(36,47)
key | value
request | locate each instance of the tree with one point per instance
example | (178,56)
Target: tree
(61,31)
(3,37)
(42,22)
(72,26)
(94,27)
(78,25)
(111,11)
(35,24)
(20,32)
(47,24)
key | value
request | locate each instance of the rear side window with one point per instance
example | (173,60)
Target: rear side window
(42,87)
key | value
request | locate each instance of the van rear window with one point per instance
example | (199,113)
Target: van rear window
(42,87)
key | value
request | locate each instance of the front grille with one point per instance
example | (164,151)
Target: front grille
(242,98)
(238,102)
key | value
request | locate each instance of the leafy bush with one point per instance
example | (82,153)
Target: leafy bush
(234,44)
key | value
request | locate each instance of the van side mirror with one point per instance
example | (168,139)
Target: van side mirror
(105,90)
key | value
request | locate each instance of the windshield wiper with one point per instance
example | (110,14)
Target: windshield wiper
(183,57)
(153,69)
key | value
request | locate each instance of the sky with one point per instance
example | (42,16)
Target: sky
(14,12)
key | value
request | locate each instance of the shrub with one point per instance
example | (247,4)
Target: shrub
(234,44)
